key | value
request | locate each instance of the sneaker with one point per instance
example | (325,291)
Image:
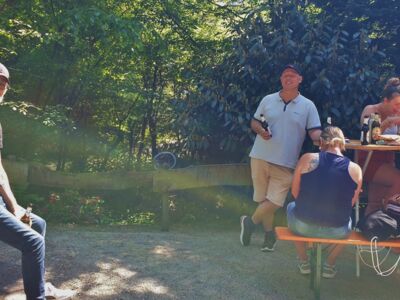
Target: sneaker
(304,267)
(51,292)
(328,271)
(269,242)
(246,230)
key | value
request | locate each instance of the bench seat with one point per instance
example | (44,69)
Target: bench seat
(355,238)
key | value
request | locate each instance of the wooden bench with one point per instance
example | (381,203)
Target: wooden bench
(355,238)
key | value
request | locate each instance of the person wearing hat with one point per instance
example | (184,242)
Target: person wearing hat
(274,154)
(4,80)
(27,237)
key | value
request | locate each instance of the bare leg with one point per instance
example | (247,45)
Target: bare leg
(301,251)
(375,195)
(386,183)
(265,214)
(334,252)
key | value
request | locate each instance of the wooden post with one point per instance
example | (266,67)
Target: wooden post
(165,198)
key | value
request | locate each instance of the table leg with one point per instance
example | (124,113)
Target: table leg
(364,169)
(357,205)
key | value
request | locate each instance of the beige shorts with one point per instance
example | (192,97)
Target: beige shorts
(270,181)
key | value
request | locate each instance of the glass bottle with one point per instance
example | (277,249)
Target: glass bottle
(375,130)
(26,218)
(265,125)
(329,121)
(364,138)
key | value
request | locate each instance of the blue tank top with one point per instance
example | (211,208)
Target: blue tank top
(326,192)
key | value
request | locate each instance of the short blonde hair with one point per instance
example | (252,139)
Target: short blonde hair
(332,136)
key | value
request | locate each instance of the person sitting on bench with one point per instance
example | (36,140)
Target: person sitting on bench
(325,187)
(26,235)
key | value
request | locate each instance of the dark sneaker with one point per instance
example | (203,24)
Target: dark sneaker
(246,225)
(269,242)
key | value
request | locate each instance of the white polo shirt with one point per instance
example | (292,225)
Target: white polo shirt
(289,124)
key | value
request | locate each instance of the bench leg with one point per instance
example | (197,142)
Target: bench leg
(316,262)
(357,262)
(312,254)
(318,267)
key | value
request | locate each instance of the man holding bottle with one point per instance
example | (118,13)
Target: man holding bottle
(274,154)
(27,236)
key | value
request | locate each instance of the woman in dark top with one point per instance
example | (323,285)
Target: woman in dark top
(325,187)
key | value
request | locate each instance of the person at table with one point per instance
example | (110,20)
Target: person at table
(382,176)
(325,187)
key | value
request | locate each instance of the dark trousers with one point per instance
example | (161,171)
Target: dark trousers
(30,241)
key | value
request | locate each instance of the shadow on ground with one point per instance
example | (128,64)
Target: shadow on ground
(185,263)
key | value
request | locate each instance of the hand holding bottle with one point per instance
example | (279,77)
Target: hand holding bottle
(266,131)
(26,217)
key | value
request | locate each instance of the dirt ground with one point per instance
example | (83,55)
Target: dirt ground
(184,263)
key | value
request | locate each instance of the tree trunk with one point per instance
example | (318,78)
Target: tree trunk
(141,140)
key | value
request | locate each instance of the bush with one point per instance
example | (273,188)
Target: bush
(72,206)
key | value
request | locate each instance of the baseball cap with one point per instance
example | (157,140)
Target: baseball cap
(4,73)
(293,67)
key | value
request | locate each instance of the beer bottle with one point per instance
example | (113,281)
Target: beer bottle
(265,125)
(364,138)
(375,130)
(328,121)
(370,120)
(26,218)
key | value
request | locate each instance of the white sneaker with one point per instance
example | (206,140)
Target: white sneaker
(51,292)
(328,271)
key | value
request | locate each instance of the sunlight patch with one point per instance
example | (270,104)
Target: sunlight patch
(124,273)
(164,251)
(150,286)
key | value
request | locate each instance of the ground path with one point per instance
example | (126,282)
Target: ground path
(185,263)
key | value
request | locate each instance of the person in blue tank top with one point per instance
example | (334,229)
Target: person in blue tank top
(325,186)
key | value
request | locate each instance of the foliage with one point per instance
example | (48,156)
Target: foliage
(115,82)
(341,70)
(74,207)
(115,66)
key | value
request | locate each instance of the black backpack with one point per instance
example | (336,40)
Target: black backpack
(378,224)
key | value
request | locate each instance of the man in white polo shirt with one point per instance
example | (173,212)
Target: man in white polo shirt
(274,156)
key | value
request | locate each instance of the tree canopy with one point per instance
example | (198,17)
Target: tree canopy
(99,85)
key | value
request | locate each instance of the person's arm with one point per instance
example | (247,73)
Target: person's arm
(390,122)
(356,174)
(257,128)
(6,192)
(313,125)
(315,134)
(367,111)
(307,163)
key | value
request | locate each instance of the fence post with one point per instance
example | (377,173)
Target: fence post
(165,198)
